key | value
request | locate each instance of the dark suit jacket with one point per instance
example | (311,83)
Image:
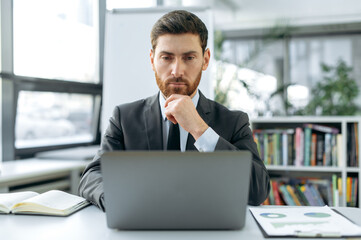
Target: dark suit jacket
(138,126)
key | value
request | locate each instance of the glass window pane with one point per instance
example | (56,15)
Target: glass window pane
(307,54)
(255,74)
(56,39)
(47,118)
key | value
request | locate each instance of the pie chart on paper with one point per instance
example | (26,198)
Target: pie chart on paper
(273,215)
(317,215)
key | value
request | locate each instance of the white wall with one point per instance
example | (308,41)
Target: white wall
(128,75)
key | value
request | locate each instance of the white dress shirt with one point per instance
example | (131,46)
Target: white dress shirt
(205,143)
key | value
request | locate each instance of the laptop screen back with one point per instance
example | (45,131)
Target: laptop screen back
(176,190)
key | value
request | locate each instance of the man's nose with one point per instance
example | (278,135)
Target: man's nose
(178,68)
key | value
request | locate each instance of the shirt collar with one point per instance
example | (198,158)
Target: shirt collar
(195,100)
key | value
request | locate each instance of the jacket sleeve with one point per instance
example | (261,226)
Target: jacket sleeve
(242,139)
(91,182)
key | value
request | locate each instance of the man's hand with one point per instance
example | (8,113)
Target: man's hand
(180,109)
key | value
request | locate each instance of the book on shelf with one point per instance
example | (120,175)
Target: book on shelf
(348,190)
(322,128)
(306,191)
(334,155)
(308,195)
(320,149)
(325,190)
(351,191)
(309,145)
(291,149)
(54,202)
(299,145)
(273,196)
(292,193)
(276,193)
(299,189)
(352,145)
(356,144)
(355,192)
(313,149)
(327,161)
(316,194)
(286,195)
(273,145)
(270,154)
(339,152)
(335,191)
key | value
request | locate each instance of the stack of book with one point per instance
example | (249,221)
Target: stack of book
(310,145)
(305,192)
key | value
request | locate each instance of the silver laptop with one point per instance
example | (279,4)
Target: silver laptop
(176,190)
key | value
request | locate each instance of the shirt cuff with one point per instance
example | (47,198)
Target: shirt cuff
(208,141)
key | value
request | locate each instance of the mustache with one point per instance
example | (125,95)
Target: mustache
(176,80)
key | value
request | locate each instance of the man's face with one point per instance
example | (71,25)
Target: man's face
(178,63)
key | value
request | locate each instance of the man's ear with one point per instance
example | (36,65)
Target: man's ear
(151,55)
(206,58)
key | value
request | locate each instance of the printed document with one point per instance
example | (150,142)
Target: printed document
(304,222)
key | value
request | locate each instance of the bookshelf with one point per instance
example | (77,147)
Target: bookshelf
(344,163)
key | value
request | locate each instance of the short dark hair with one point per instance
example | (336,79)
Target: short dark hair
(178,22)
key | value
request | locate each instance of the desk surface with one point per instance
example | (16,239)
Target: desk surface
(36,171)
(20,169)
(90,223)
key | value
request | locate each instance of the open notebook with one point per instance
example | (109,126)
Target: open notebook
(54,202)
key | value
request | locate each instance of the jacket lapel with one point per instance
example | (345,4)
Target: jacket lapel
(153,123)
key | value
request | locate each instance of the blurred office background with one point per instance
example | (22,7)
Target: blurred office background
(270,58)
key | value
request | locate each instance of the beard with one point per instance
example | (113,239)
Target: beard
(168,91)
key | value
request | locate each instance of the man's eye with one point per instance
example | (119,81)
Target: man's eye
(189,58)
(166,58)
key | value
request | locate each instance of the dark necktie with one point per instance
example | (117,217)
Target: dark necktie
(173,137)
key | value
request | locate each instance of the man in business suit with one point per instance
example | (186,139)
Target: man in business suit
(178,57)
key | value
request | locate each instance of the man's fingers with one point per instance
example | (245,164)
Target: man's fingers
(169,111)
(172,98)
(171,118)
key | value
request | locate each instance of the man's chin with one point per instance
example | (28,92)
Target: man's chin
(177,90)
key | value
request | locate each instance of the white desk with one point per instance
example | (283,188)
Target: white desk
(15,173)
(90,223)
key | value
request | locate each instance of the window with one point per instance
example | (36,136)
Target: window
(259,65)
(56,39)
(48,118)
(52,75)
(281,73)
(307,54)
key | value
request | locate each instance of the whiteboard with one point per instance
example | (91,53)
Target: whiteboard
(128,75)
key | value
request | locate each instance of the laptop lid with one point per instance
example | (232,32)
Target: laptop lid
(176,190)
